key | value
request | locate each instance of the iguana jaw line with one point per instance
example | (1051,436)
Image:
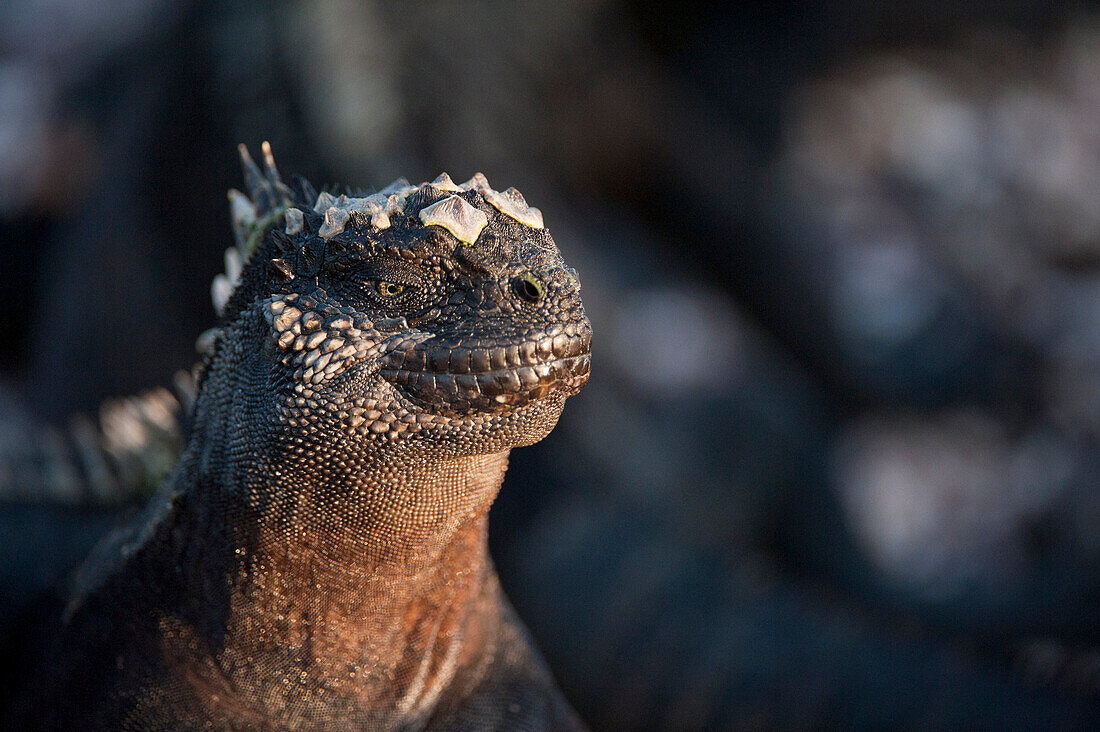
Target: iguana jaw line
(453,379)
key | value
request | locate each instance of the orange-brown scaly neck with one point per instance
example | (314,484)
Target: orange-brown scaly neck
(379,616)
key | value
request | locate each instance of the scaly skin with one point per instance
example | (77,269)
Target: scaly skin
(318,558)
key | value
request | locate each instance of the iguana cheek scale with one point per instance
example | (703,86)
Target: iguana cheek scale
(318,558)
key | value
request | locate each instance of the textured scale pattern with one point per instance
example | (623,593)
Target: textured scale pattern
(317,559)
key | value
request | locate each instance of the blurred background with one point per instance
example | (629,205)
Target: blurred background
(837,465)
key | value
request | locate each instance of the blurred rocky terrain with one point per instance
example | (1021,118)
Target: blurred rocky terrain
(837,464)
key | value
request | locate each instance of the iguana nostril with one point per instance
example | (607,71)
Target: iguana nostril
(528,287)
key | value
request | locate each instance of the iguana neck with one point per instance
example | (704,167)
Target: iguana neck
(381,594)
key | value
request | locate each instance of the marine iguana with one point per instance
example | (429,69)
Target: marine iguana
(318,559)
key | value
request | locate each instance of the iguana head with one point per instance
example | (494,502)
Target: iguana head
(428,315)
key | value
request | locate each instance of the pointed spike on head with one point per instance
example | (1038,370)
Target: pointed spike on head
(241,208)
(246,157)
(395,186)
(285,194)
(478,183)
(367,204)
(380,220)
(335,221)
(395,203)
(253,178)
(309,193)
(269,160)
(444,183)
(294,220)
(511,203)
(456,216)
(514,194)
(325,201)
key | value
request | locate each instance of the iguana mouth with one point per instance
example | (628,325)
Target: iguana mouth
(468,377)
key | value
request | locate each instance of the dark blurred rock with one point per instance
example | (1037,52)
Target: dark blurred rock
(656,634)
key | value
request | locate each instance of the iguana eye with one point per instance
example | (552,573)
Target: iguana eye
(388,289)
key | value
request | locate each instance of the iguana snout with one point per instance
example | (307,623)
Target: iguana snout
(472,374)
